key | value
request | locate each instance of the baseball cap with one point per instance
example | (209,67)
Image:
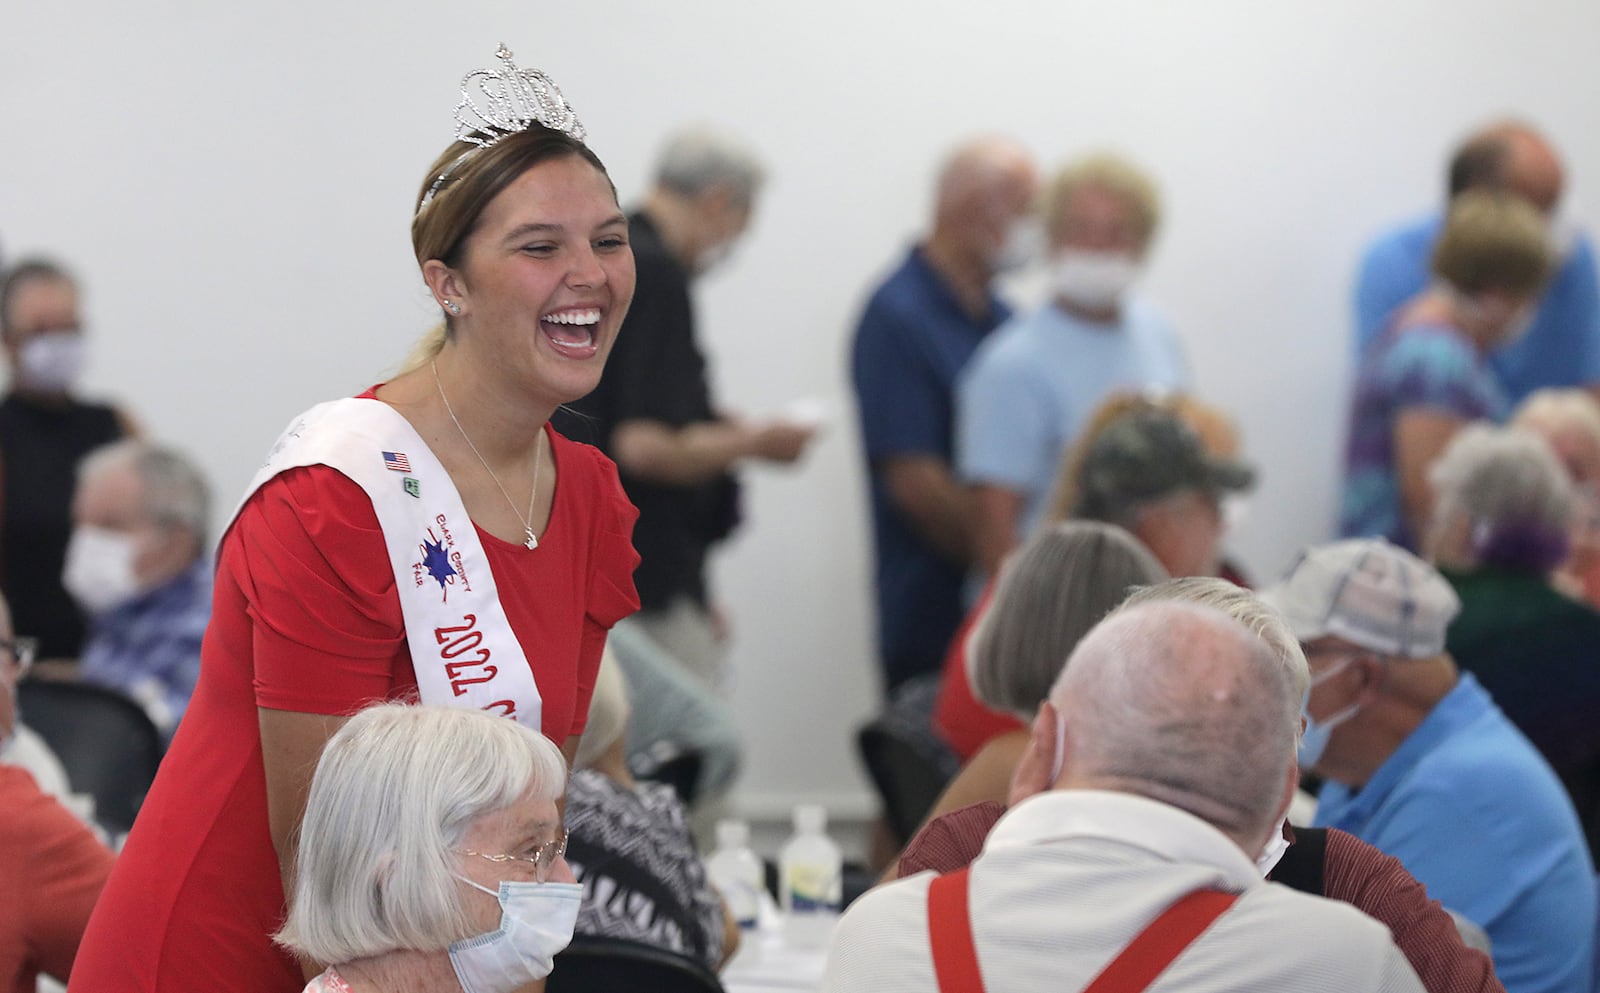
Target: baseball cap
(1148,454)
(1370,593)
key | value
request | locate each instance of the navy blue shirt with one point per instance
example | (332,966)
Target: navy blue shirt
(912,343)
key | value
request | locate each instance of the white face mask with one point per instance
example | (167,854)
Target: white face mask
(1024,243)
(99,568)
(1093,280)
(536,922)
(1563,234)
(1272,854)
(52,362)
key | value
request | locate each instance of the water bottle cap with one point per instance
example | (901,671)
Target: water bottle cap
(810,818)
(732,834)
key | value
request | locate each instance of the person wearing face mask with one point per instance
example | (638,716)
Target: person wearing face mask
(431,856)
(676,452)
(916,334)
(1562,344)
(137,565)
(1429,374)
(1168,749)
(1033,385)
(45,428)
(1419,762)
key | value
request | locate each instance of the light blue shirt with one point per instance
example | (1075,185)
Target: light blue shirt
(1033,385)
(1562,347)
(1472,810)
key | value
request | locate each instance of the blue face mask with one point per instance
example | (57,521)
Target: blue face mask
(1315,740)
(536,921)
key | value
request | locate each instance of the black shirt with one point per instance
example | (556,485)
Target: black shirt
(40,446)
(656,372)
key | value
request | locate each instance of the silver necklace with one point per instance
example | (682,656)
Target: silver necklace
(526,519)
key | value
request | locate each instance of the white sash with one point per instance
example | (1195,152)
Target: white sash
(462,647)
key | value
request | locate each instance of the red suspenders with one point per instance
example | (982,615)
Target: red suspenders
(955,958)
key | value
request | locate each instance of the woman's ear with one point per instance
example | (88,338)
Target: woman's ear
(447,285)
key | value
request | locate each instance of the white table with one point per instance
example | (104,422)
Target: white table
(769,962)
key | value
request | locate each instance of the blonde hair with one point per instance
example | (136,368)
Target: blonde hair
(1113,174)
(1553,410)
(1493,240)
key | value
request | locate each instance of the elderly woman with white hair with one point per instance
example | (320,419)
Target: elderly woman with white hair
(1500,531)
(1569,421)
(431,855)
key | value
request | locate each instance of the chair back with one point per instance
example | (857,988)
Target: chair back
(681,771)
(105,741)
(908,780)
(592,964)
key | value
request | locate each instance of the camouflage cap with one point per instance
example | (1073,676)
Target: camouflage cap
(1146,455)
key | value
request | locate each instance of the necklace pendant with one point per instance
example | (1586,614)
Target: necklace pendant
(532,542)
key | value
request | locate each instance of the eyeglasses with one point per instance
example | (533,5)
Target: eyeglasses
(22,652)
(542,858)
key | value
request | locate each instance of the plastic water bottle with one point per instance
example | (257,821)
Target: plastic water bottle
(737,873)
(811,877)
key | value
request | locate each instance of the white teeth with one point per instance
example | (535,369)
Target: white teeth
(591,316)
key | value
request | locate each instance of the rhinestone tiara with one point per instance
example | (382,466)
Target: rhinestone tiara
(498,103)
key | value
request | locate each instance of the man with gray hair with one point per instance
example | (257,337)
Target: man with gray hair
(136,563)
(1170,737)
(1420,763)
(676,450)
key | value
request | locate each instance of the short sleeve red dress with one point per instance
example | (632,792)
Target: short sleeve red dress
(306,618)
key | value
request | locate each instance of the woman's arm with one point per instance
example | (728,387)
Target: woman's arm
(291,743)
(1420,436)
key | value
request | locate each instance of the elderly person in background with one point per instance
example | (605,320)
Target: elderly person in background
(1328,863)
(1419,762)
(1428,376)
(918,331)
(1034,383)
(1501,520)
(1160,474)
(52,867)
(431,855)
(630,847)
(677,451)
(1562,346)
(45,428)
(1569,421)
(1148,472)
(1050,592)
(1168,744)
(137,565)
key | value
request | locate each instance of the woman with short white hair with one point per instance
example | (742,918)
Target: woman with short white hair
(1500,531)
(431,855)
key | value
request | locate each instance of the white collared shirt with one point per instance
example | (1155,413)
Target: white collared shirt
(1068,878)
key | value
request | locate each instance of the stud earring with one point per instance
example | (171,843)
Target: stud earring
(454,308)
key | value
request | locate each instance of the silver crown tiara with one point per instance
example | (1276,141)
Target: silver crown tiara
(498,103)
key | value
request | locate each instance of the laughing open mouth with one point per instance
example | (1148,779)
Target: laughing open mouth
(572,331)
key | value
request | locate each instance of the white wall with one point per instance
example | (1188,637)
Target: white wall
(234,181)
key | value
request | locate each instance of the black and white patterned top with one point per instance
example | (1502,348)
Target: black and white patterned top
(642,878)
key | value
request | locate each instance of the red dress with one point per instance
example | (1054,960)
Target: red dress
(965,724)
(306,618)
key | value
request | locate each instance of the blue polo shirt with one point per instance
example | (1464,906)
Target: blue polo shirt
(1562,348)
(1034,386)
(912,341)
(1472,810)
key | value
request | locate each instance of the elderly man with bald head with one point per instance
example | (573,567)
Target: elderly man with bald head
(919,329)
(1171,739)
(1561,347)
